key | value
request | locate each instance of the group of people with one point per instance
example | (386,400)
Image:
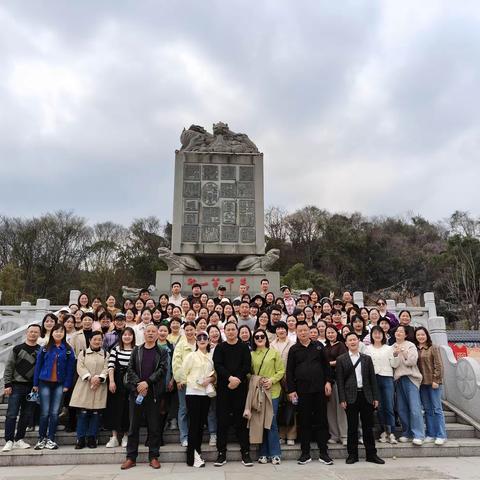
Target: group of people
(280,369)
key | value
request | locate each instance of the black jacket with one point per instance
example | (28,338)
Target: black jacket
(307,368)
(347,380)
(156,381)
(232,360)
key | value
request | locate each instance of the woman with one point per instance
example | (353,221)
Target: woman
(326,306)
(337,420)
(203,313)
(288,300)
(227,311)
(96,304)
(196,306)
(69,324)
(384,362)
(130,318)
(313,297)
(52,378)
(214,336)
(127,303)
(214,339)
(197,374)
(84,303)
(431,368)
(185,345)
(163,304)
(407,385)
(322,327)
(359,326)
(138,309)
(145,319)
(150,303)
(267,364)
(48,322)
(81,338)
(90,392)
(262,323)
(245,335)
(204,299)
(210,305)
(292,328)
(157,316)
(309,315)
(177,312)
(111,303)
(201,324)
(78,319)
(317,311)
(384,324)
(117,399)
(185,305)
(214,319)
(190,316)
(175,331)
(365,314)
(283,344)
(105,321)
(269,299)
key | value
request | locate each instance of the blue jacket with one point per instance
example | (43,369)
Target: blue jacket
(66,365)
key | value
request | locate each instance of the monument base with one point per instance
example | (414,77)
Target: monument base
(210,281)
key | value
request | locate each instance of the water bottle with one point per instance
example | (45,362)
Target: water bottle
(295,401)
(139,399)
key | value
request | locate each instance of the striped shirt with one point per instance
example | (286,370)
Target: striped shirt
(122,355)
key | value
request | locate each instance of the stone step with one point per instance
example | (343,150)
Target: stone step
(67,455)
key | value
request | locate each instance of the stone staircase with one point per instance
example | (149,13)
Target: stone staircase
(463,440)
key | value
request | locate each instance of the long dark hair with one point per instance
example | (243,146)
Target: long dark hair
(263,332)
(377,328)
(51,341)
(43,329)
(427,333)
(120,340)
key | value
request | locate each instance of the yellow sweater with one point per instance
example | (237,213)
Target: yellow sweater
(196,366)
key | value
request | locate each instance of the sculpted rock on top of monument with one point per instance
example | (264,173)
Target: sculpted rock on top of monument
(178,263)
(197,139)
(258,263)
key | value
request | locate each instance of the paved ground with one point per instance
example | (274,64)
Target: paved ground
(465,468)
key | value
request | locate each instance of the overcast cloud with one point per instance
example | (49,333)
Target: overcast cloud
(357,105)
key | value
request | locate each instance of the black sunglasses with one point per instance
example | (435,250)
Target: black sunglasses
(201,338)
(259,337)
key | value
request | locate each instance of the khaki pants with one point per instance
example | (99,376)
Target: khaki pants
(337,418)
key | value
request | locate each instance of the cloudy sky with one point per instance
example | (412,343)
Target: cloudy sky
(369,106)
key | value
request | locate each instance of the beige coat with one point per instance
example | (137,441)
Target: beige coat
(78,343)
(89,364)
(258,410)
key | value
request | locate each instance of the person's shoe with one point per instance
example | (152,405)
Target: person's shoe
(80,443)
(21,444)
(154,463)
(263,460)
(375,459)
(112,443)
(127,464)
(403,439)
(325,458)
(351,459)
(124,441)
(40,444)
(304,459)
(91,442)
(331,441)
(276,460)
(440,441)
(213,440)
(198,461)
(360,440)
(221,460)
(51,445)
(428,440)
(291,443)
(173,424)
(392,439)
(8,447)
(30,429)
(281,441)
(383,437)
(417,441)
(184,443)
(246,460)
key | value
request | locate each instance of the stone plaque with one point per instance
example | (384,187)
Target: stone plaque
(246,190)
(192,171)
(210,233)
(210,194)
(190,218)
(210,215)
(210,172)
(191,189)
(247,235)
(229,172)
(229,233)
(191,205)
(189,234)
(228,190)
(229,212)
(246,174)
(246,210)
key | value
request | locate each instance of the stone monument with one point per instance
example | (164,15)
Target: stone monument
(218,214)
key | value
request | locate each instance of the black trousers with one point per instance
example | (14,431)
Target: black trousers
(365,410)
(312,416)
(197,412)
(230,407)
(150,409)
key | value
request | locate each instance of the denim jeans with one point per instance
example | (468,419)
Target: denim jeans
(409,408)
(271,438)
(212,417)
(182,415)
(87,423)
(432,405)
(17,402)
(386,391)
(51,394)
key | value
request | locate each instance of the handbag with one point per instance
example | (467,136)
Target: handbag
(210,390)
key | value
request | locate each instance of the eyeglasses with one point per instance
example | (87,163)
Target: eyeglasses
(259,337)
(202,338)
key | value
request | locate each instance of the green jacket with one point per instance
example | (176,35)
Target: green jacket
(272,367)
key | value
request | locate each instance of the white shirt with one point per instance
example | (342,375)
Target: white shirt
(139,329)
(176,299)
(383,359)
(358,369)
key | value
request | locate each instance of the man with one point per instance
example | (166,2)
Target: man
(196,292)
(176,296)
(275,314)
(18,378)
(382,306)
(309,382)
(220,294)
(242,290)
(232,363)
(358,395)
(112,338)
(305,296)
(244,317)
(347,297)
(146,379)
(144,294)
(264,287)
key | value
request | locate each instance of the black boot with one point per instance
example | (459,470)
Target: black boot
(91,442)
(80,443)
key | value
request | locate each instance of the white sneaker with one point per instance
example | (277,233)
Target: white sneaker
(51,445)
(404,439)
(173,424)
(331,441)
(440,441)
(291,442)
(344,442)
(198,461)
(124,441)
(112,443)
(21,444)
(429,440)
(40,444)
(276,461)
(360,440)
(383,437)
(417,441)
(8,446)
(185,443)
(282,441)
(262,460)
(392,439)
(213,440)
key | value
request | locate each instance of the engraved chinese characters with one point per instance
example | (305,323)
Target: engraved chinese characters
(219,203)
